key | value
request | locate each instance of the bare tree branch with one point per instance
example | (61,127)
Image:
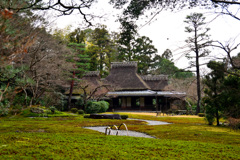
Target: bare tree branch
(61,6)
(226,2)
(228,49)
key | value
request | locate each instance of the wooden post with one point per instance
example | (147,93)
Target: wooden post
(156,103)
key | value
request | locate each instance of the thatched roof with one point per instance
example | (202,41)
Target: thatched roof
(156,82)
(92,77)
(123,80)
(123,76)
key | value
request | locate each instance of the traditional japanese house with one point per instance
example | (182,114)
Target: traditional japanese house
(134,92)
(127,90)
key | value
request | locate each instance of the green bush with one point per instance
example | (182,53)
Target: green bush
(92,107)
(80,111)
(201,114)
(96,107)
(52,109)
(103,106)
(124,116)
(74,110)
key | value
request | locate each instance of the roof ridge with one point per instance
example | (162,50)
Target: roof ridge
(124,64)
(154,77)
(92,73)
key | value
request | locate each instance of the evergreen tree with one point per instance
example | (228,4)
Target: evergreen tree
(197,44)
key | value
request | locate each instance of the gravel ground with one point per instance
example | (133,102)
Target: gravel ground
(151,122)
(120,132)
(129,133)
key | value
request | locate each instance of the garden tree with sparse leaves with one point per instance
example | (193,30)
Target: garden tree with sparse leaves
(233,61)
(91,92)
(46,64)
(214,89)
(197,46)
(62,7)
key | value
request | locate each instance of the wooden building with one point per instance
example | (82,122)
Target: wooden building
(144,93)
(127,90)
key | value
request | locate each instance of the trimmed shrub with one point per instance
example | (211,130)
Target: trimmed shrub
(124,116)
(201,114)
(103,106)
(74,110)
(92,107)
(80,111)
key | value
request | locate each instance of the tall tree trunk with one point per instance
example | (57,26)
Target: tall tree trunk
(101,63)
(215,104)
(198,86)
(198,74)
(70,92)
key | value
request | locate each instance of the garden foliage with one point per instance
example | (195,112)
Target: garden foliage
(96,107)
(74,110)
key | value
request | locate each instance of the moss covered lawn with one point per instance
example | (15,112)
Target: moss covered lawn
(64,138)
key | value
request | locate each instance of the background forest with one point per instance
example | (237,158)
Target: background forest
(37,64)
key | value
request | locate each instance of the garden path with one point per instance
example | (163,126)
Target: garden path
(129,133)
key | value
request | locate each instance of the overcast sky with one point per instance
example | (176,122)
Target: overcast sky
(167,30)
